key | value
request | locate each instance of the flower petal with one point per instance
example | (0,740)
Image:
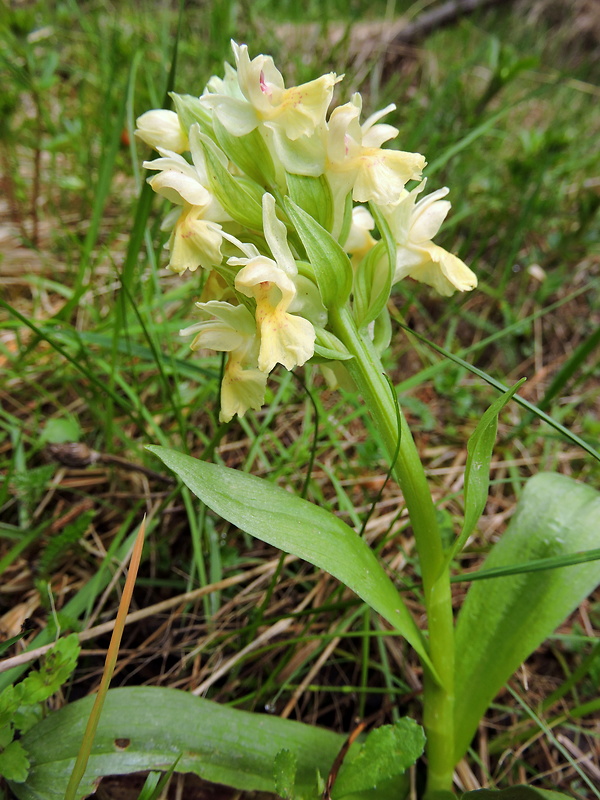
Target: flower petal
(241,389)
(444,271)
(161,128)
(429,214)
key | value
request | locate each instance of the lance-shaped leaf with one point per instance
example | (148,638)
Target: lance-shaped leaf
(477,469)
(296,526)
(503,620)
(150,728)
(333,270)
(313,195)
(373,276)
(235,195)
(249,152)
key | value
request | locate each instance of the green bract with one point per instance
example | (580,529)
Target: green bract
(332,267)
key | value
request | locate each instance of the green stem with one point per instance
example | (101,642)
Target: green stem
(438,713)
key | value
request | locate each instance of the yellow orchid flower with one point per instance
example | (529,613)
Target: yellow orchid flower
(413,225)
(231,329)
(161,128)
(261,97)
(356,160)
(284,338)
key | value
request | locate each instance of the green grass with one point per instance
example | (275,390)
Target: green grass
(89,338)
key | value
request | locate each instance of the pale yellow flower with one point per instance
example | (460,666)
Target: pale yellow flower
(357,162)
(263,98)
(413,225)
(285,338)
(359,241)
(194,242)
(161,128)
(231,329)
(196,238)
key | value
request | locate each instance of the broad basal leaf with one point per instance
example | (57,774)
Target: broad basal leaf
(150,728)
(296,526)
(503,620)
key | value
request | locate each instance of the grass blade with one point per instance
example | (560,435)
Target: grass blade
(109,668)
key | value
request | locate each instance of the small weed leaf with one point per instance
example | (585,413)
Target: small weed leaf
(10,700)
(14,763)
(56,669)
(62,542)
(59,430)
(386,753)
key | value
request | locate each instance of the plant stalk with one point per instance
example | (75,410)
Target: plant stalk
(438,697)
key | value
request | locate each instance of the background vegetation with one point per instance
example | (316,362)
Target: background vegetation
(504,104)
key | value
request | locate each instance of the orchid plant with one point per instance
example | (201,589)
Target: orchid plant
(302,223)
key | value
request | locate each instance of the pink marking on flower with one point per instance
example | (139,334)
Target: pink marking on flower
(263,84)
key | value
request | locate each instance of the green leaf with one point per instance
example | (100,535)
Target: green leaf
(515,793)
(232,193)
(10,700)
(477,470)
(14,764)
(249,152)
(503,620)
(155,784)
(374,274)
(191,111)
(296,526)
(149,788)
(148,728)
(61,429)
(372,285)
(8,643)
(333,270)
(329,347)
(386,753)
(25,717)
(57,666)
(7,734)
(312,195)
(285,765)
